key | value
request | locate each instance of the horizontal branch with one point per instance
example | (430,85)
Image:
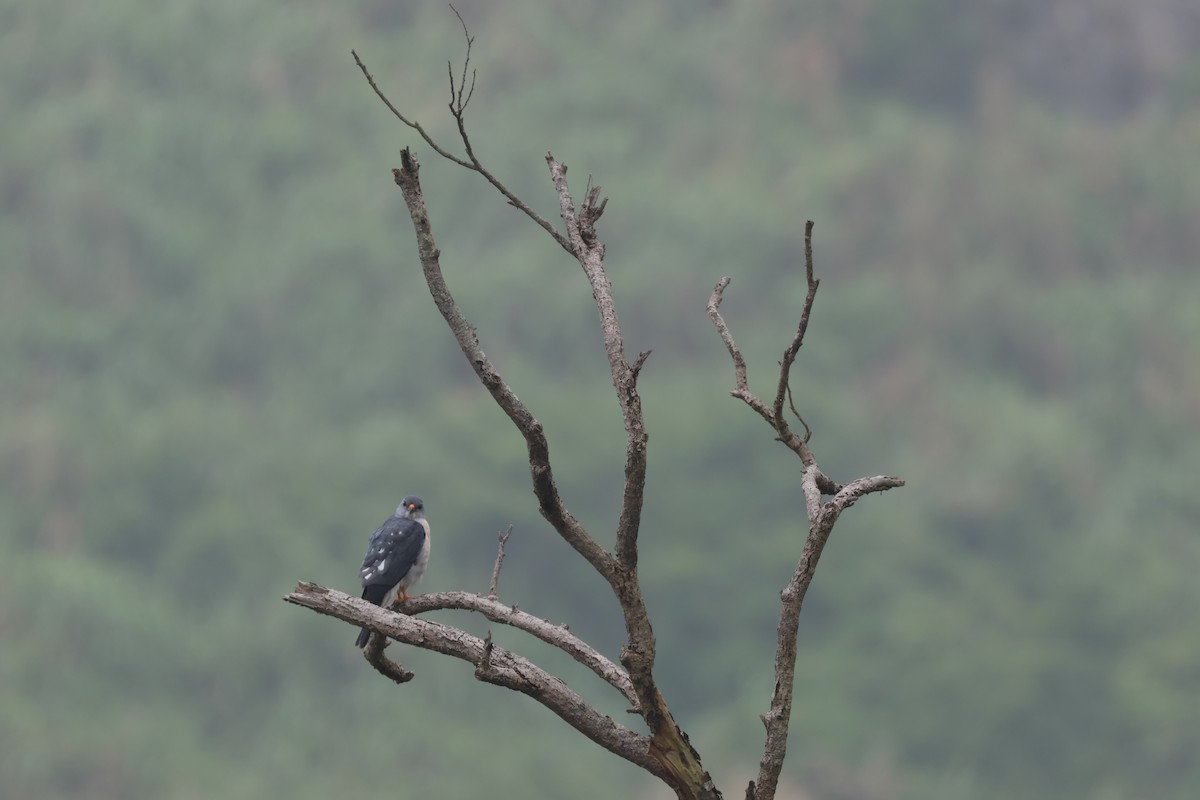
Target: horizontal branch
(493,664)
(849,494)
(555,635)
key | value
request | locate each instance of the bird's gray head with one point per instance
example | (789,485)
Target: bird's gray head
(411,508)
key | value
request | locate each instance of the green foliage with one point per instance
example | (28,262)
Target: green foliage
(222,369)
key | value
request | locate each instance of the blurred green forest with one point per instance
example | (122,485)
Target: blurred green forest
(221,369)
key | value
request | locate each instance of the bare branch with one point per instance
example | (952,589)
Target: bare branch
(457,110)
(485,663)
(558,636)
(669,744)
(373,652)
(784,433)
(812,493)
(620,575)
(778,716)
(589,252)
(457,104)
(796,414)
(639,363)
(544,486)
(416,126)
(471,162)
(821,518)
(503,537)
(739,363)
(789,355)
(555,635)
(849,494)
(493,665)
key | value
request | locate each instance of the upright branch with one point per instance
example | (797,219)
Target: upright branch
(789,355)
(407,177)
(503,538)
(589,252)
(821,519)
(669,742)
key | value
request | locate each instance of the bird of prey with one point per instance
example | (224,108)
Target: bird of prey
(396,558)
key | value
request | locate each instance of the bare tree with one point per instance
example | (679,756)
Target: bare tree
(663,749)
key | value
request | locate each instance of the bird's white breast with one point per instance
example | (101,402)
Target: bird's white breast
(418,568)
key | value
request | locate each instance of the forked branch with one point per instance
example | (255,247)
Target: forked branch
(458,107)
(821,519)
(493,664)
(773,414)
(668,744)
(550,502)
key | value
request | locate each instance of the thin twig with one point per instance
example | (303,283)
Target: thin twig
(796,414)
(416,126)
(639,363)
(485,661)
(784,433)
(789,355)
(503,537)
(458,106)
(471,162)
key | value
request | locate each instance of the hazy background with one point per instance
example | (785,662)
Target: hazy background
(221,370)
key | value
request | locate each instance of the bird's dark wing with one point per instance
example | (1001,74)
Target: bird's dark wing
(390,555)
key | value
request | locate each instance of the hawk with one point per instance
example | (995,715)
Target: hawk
(396,558)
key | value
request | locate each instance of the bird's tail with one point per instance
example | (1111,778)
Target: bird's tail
(374,594)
